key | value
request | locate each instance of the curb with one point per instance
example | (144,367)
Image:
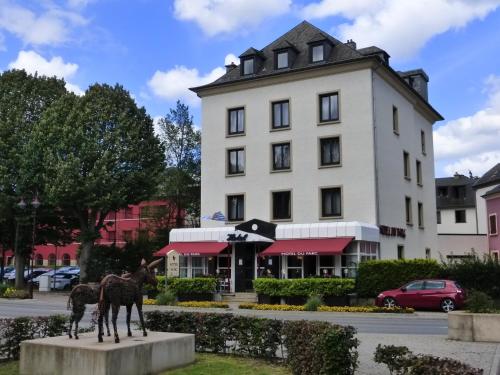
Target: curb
(495,367)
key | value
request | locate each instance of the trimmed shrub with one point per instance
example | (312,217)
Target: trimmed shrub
(475,274)
(347,309)
(479,302)
(402,361)
(3,288)
(14,331)
(375,276)
(308,347)
(196,285)
(303,287)
(15,293)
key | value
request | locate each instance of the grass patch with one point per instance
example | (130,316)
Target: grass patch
(206,364)
(211,364)
(9,368)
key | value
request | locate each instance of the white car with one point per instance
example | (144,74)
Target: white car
(70,269)
(64,281)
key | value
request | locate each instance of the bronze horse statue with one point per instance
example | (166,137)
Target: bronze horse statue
(116,291)
(81,295)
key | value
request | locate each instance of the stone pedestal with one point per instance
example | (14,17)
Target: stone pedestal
(135,355)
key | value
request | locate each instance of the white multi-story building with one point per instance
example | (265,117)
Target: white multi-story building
(328,142)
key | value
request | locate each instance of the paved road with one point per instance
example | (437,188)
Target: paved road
(421,323)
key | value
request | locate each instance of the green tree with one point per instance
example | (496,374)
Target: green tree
(23,100)
(93,155)
(181,180)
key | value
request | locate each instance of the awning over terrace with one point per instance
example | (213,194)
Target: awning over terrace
(321,246)
(193,248)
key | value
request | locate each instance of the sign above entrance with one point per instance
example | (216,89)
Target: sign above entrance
(240,236)
(259,228)
(392,231)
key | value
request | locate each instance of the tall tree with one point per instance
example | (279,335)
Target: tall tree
(23,100)
(94,155)
(181,180)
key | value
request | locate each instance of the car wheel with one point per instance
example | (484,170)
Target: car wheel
(389,302)
(447,305)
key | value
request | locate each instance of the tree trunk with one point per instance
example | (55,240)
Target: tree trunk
(84,257)
(20,263)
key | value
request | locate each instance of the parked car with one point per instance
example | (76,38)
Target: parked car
(70,270)
(445,295)
(64,281)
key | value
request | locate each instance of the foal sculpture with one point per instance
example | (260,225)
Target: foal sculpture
(116,291)
(81,295)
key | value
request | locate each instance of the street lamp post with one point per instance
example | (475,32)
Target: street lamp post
(35,203)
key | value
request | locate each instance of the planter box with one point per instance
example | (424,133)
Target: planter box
(336,300)
(268,300)
(195,297)
(464,326)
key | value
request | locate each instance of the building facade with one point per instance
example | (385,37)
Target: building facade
(457,218)
(312,131)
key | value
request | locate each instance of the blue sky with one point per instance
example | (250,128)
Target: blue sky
(157,49)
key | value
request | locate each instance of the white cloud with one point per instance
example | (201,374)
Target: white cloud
(224,16)
(174,84)
(33,63)
(472,142)
(52,26)
(230,58)
(402,27)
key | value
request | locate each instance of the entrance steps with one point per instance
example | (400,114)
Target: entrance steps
(240,298)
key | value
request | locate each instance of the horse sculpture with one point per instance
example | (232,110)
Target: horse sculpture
(116,291)
(81,295)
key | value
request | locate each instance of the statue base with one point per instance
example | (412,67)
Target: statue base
(135,355)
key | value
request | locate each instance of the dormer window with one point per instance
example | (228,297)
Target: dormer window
(248,66)
(317,52)
(282,60)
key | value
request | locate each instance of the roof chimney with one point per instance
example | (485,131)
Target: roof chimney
(230,67)
(351,43)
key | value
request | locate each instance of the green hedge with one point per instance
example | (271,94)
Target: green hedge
(308,347)
(375,276)
(180,285)
(303,287)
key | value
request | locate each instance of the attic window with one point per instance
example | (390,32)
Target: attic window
(317,53)
(282,60)
(248,66)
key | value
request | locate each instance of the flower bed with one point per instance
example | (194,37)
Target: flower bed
(354,309)
(198,304)
(149,301)
(15,293)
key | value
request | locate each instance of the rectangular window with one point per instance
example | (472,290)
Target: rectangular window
(236,121)
(419,172)
(282,60)
(408,211)
(401,252)
(395,120)
(438,217)
(282,205)
(236,161)
(331,202)
(248,66)
(198,266)
(294,267)
(442,191)
(183,266)
(281,156)
(422,141)
(406,164)
(493,225)
(329,107)
(235,207)
(317,53)
(460,216)
(330,151)
(420,215)
(281,115)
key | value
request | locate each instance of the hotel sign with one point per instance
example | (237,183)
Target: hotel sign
(392,231)
(173,264)
(299,253)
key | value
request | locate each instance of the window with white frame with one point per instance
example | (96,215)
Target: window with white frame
(368,251)
(294,267)
(326,265)
(198,266)
(183,266)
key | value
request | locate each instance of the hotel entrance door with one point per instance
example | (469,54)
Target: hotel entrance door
(244,267)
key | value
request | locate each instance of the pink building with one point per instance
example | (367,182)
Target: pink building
(120,227)
(492,198)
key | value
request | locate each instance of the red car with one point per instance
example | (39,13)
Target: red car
(445,295)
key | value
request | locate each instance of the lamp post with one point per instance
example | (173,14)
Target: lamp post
(35,203)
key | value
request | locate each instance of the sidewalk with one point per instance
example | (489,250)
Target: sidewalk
(476,354)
